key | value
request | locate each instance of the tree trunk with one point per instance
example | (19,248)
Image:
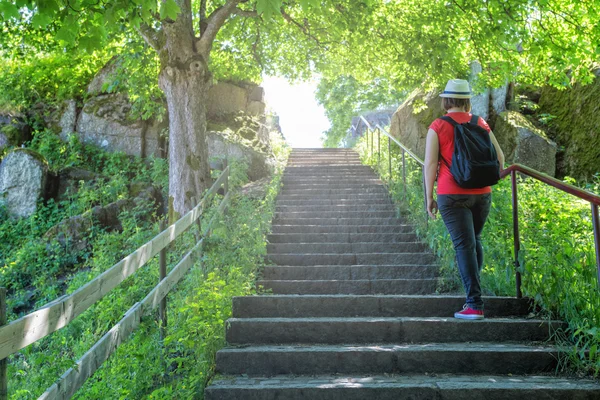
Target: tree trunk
(185,79)
(186,90)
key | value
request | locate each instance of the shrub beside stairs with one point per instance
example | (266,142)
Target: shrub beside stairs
(352,314)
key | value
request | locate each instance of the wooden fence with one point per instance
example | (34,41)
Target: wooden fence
(55,315)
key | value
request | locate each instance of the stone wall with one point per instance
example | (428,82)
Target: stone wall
(519,139)
(226,98)
(574,123)
(104,121)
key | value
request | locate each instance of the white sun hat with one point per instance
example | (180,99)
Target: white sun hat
(457,89)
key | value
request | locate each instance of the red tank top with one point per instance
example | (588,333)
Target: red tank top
(445,131)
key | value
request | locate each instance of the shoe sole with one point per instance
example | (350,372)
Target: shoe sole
(469,317)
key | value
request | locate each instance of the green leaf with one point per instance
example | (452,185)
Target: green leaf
(40,20)
(9,10)
(169,9)
(268,8)
(67,33)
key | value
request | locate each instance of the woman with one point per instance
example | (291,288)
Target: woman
(464,211)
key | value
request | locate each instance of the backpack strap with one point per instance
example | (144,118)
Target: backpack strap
(449,120)
(475,119)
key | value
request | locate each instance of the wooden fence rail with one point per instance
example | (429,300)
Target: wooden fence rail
(59,313)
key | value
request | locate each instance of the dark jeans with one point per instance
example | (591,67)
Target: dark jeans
(464,216)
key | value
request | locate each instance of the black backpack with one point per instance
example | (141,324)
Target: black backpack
(474,160)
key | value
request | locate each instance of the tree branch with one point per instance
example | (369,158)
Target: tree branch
(154,38)
(202,17)
(213,24)
(302,27)
(245,13)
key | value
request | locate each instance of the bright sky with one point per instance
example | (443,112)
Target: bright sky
(302,120)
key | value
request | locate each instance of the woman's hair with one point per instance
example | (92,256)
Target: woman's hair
(449,102)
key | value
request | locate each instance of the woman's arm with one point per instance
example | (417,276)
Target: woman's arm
(432,149)
(498,150)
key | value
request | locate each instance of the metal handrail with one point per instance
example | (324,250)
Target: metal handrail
(512,170)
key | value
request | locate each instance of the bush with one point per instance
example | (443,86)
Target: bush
(557,257)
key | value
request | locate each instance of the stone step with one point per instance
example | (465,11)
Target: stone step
(344,248)
(333,202)
(369,198)
(245,331)
(341,237)
(334,214)
(334,184)
(325,181)
(279,228)
(349,272)
(337,192)
(329,172)
(306,306)
(418,258)
(359,287)
(339,208)
(395,387)
(313,176)
(456,358)
(338,221)
(340,187)
(350,161)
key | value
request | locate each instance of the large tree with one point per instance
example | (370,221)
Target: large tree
(407,43)
(183,34)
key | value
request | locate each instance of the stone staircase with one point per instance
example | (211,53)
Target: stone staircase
(352,314)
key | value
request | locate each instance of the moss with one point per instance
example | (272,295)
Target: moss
(573,118)
(33,154)
(13,134)
(172,214)
(193,162)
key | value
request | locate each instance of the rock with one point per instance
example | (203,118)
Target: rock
(3,141)
(104,121)
(411,121)
(72,232)
(226,98)
(68,120)
(523,143)
(14,131)
(104,77)
(257,94)
(490,102)
(499,99)
(256,190)
(142,193)
(69,179)
(23,179)
(256,108)
(573,117)
(259,164)
(480,103)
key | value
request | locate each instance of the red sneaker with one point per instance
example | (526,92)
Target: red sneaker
(468,313)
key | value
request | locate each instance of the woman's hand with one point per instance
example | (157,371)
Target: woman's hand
(432,208)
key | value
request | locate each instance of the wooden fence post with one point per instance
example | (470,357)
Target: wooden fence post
(162,309)
(226,185)
(3,362)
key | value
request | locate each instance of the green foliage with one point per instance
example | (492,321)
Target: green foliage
(345,97)
(136,74)
(557,257)
(144,366)
(34,270)
(571,120)
(48,79)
